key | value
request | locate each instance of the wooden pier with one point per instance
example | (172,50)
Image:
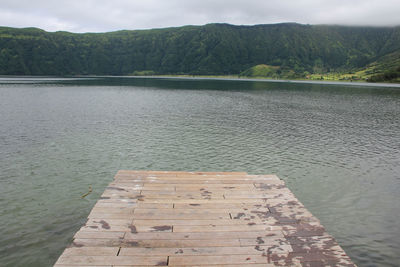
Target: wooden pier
(157,218)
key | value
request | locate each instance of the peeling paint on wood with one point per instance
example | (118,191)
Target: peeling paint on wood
(159,218)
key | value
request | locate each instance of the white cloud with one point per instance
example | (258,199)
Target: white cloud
(101,15)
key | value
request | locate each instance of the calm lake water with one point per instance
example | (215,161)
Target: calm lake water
(336,146)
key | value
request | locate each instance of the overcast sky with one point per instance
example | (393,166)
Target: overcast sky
(109,15)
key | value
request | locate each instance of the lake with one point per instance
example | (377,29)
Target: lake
(337,146)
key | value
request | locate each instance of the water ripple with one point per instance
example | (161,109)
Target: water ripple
(337,147)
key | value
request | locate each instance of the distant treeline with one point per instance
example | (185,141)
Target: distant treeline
(213,49)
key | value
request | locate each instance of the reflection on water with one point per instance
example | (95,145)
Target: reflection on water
(336,146)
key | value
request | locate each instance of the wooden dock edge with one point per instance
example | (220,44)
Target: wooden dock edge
(163,218)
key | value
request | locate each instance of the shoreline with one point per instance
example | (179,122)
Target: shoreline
(234,78)
(205,77)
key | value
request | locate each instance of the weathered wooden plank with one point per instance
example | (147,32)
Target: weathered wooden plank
(146,172)
(291,259)
(118,215)
(99,234)
(68,265)
(129,227)
(198,251)
(159,187)
(176,172)
(214,206)
(123,188)
(115,207)
(174,194)
(207,260)
(185,178)
(180,216)
(137,265)
(183,197)
(127,184)
(112,260)
(84,265)
(269,195)
(195,177)
(189,181)
(91,242)
(240,221)
(204,201)
(105,224)
(235,265)
(249,227)
(120,209)
(273,240)
(212,173)
(164,232)
(217,188)
(121,194)
(118,205)
(204,235)
(211,186)
(196,186)
(117,200)
(92,251)
(198,211)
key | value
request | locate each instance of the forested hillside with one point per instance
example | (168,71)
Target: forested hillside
(213,49)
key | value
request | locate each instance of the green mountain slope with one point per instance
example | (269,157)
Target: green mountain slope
(386,68)
(213,49)
(261,71)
